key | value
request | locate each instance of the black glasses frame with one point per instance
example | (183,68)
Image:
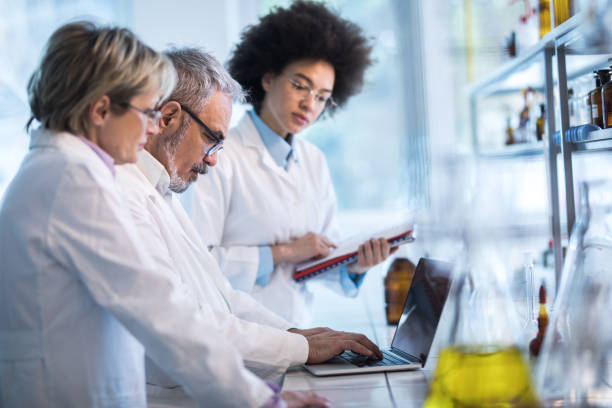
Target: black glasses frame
(216,139)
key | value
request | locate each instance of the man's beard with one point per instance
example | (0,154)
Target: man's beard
(177,184)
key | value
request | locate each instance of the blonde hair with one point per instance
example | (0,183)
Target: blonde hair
(81,63)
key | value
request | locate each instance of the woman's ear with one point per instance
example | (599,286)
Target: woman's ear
(266,81)
(99,110)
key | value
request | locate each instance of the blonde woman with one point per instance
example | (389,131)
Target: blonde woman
(80,300)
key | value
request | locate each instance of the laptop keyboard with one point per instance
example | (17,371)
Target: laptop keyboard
(360,360)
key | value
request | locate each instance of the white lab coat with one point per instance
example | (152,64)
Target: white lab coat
(247,200)
(170,238)
(79,296)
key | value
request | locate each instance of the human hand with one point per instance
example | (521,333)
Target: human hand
(307,247)
(327,344)
(295,399)
(310,332)
(370,253)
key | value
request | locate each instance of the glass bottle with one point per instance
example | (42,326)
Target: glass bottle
(606,103)
(509,133)
(397,283)
(562,10)
(481,362)
(540,123)
(575,362)
(595,103)
(544,15)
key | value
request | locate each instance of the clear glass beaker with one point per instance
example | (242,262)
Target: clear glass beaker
(576,358)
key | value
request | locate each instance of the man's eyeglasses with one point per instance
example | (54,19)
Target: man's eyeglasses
(218,142)
(306,92)
(154,115)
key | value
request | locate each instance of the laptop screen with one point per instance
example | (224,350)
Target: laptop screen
(423,307)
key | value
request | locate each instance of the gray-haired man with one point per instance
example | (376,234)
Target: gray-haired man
(194,123)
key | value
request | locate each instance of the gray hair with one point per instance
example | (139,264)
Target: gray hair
(199,76)
(81,63)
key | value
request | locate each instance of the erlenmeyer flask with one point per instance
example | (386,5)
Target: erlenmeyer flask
(575,361)
(482,362)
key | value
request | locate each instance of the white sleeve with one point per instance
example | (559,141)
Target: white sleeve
(274,352)
(95,237)
(211,204)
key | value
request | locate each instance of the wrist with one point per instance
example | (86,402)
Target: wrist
(280,253)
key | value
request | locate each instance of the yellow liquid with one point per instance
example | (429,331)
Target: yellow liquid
(481,377)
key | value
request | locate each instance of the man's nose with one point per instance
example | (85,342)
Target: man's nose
(211,160)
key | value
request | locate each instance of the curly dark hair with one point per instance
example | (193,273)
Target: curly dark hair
(305,30)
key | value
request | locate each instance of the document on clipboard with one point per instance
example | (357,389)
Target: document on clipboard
(346,252)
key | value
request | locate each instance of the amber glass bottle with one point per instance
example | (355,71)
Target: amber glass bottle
(595,103)
(595,96)
(540,122)
(397,283)
(606,104)
(536,343)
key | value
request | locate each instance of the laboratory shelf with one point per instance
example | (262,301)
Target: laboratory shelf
(597,140)
(515,150)
(527,68)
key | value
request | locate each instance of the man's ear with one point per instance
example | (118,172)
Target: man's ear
(171,114)
(266,81)
(99,110)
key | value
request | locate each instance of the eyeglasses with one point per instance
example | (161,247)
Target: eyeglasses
(218,141)
(305,92)
(154,115)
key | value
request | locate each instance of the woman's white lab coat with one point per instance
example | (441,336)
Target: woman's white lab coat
(247,200)
(79,297)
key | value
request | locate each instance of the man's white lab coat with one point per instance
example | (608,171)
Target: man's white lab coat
(169,236)
(248,200)
(80,297)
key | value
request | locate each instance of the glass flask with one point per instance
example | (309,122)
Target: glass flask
(482,359)
(576,358)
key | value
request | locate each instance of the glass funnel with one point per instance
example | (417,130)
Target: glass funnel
(575,362)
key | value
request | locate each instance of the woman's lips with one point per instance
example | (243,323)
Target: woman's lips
(299,118)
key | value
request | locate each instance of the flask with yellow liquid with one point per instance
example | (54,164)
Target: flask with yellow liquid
(482,361)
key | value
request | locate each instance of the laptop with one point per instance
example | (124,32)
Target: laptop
(414,332)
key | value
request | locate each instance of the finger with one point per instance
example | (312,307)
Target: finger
(366,342)
(368,253)
(361,257)
(376,251)
(327,242)
(386,248)
(324,250)
(313,399)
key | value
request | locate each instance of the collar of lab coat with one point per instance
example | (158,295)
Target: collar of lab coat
(154,171)
(66,141)
(249,137)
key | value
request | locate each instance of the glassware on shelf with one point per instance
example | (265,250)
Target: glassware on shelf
(575,363)
(606,104)
(562,10)
(544,16)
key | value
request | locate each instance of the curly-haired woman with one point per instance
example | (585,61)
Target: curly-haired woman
(270,202)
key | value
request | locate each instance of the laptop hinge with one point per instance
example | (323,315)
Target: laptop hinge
(406,356)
